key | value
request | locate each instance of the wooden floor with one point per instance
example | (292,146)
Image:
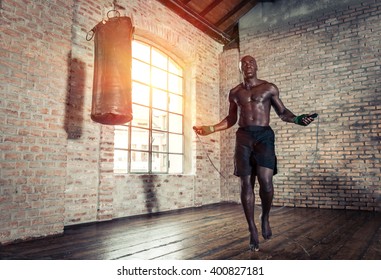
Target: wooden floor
(215,232)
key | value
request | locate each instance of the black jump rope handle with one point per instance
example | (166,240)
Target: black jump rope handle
(314,115)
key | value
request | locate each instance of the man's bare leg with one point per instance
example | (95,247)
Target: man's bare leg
(266,192)
(248,200)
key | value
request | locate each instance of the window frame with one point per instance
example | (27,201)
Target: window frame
(129,127)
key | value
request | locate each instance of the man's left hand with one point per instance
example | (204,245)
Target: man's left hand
(304,119)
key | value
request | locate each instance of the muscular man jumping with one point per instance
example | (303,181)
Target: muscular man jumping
(250,103)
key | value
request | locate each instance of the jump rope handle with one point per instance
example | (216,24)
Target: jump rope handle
(315,115)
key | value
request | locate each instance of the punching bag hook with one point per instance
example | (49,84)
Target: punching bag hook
(117,14)
(90,35)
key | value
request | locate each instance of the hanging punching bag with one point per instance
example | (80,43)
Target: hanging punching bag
(111,102)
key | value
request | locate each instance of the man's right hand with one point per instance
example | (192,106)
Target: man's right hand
(204,130)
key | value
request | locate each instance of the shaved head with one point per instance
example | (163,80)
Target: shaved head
(247,59)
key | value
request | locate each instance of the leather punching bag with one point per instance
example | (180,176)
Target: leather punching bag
(111,102)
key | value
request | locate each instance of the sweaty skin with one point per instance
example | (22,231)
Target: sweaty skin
(250,103)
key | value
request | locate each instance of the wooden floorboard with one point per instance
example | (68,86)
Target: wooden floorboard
(213,232)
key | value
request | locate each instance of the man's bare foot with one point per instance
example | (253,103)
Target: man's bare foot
(254,242)
(266,229)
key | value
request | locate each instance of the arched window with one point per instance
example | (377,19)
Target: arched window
(153,141)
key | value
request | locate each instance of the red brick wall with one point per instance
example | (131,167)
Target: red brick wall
(56,164)
(327,63)
(83,135)
(35,45)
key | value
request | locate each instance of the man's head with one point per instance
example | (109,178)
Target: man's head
(248,66)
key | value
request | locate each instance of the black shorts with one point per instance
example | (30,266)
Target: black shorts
(255,145)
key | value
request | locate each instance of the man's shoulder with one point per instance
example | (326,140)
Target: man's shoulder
(270,86)
(267,83)
(273,87)
(237,88)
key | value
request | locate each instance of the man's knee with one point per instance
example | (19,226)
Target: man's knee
(266,183)
(246,183)
(265,179)
(266,187)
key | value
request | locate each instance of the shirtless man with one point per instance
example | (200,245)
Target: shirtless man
(250,103)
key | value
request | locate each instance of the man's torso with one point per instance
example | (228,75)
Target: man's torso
(254,104)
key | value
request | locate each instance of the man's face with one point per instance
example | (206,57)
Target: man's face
(248,67)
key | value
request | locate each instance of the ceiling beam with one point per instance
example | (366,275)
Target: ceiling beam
(210,7)
(236,9)
(197,20)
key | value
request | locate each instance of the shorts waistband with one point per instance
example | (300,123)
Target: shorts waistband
(253,128)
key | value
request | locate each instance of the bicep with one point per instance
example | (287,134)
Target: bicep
(232,108)
(278,105)
(232,113)
(276,102)
(281,110)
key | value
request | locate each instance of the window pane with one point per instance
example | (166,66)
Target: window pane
(120,161)
(159,99)
(175,123)
(175,143)
(139,161)
(159,162)
(175,164)
(140,116)
(140,72)
(121,138)
(159,59)
(175,103)
(174,68)
(159,120)
(139,139)
(141,51)
(175,84)
(159,142)
(159,78)
(140,94)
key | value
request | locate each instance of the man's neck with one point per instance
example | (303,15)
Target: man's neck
(250,83)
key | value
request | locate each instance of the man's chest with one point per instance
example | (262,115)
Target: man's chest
(255,95)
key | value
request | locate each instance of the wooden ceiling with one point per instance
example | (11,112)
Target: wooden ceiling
(217,18)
